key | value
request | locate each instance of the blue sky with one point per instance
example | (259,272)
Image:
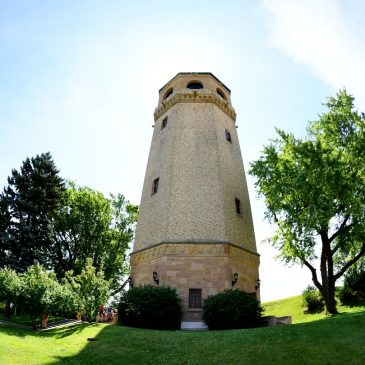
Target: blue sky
(80,79)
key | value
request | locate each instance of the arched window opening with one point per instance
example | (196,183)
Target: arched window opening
(194,85)
(221,94)
(168,93)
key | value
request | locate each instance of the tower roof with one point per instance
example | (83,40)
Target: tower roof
(197,73)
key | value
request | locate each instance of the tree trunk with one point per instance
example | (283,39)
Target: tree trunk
(328,292)
(328,281)
(330,301)
(7,309)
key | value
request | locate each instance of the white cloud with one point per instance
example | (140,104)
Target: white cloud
(326,35)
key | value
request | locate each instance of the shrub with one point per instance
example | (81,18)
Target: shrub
(150,307)
(233,308)
(312,299)
(353,291)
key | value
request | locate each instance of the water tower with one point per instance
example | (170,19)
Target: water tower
(195,229)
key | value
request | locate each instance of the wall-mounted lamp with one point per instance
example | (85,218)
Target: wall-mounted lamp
(156,277)
(258,284)
(234,278)
(130,282)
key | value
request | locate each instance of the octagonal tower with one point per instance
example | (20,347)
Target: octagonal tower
(195,229)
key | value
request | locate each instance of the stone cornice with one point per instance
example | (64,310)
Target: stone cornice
(192,249)
(194,97)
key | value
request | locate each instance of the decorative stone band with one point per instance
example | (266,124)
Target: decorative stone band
(200,249)
(194,97)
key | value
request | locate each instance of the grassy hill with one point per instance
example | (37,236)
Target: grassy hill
(335,340)
(293,307)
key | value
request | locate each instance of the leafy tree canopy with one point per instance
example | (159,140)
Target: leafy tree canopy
(40,293)
(10,284)
(314,191)
(90,225)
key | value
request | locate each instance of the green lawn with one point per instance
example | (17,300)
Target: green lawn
(293,307)
(336,340)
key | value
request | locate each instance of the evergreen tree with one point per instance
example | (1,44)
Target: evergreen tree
(27,208)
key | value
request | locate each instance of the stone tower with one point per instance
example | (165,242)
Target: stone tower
(195,230)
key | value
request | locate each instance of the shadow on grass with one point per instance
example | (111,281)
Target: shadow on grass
(95,350)
(56,332)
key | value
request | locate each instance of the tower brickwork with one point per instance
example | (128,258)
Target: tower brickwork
(195,227)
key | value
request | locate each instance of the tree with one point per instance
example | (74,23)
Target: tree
(40,293)
(10,287)
(91,288)
(4,232)
(314,191)
(27,207)
(353,290)
(92,226)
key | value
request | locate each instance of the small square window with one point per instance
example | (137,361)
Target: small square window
(164,123)
(228,136)
(155,185)
(195,298)
(238,205)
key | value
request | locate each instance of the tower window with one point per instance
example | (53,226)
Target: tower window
(164,123)
(195,298)
(155,185)
(194,85)
(168,93)
(237,203)
(221,94)
(228,136)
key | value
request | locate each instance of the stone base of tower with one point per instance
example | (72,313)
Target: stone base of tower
(196,267)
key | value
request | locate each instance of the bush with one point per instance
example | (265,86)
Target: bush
(150,307)
(233,308)
(312,299)
(353,291)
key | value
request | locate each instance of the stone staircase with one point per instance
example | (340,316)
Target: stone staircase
(60,323)
(51,325)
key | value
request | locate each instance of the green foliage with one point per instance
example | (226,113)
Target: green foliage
(150,307)
(92,226)
(40,293)
(353,291)
(91,288)
(10,284)
(42,221)
(312,299)
(314,192)
(233,308)
(27,207)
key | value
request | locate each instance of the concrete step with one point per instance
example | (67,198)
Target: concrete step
(193,326)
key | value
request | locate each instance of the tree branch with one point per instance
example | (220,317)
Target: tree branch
(339,231)
(343,229)
(121,288)
(351,262)
(314,274)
